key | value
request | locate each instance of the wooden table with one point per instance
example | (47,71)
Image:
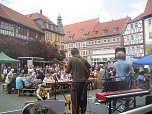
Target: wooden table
(60,86)
(64,85)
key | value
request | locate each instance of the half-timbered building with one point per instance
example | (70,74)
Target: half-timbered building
(133,37)
(17,25)
(138,34)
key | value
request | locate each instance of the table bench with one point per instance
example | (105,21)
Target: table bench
(24,90)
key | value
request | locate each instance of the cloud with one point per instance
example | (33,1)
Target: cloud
(138,7)
(70,10)
(73,11)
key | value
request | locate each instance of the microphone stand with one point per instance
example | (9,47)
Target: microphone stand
(55,84)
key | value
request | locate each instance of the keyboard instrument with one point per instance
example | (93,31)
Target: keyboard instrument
(130,94)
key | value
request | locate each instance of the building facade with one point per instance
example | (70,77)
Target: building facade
(76,36)
(133,38)
(138,34)
(98,43)
(105,38)
(147,20)
(17,25)
(54,34)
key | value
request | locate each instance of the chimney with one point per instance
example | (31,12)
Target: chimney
(41,12)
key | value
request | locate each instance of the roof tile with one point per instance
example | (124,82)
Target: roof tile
(12,15)
(78,30)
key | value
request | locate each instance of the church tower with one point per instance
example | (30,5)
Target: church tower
(60,25)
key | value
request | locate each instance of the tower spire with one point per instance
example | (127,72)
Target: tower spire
(60,25)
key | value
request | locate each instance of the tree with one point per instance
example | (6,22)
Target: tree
(33,48)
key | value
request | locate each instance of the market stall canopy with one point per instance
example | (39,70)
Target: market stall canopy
(146,60)
(6,59)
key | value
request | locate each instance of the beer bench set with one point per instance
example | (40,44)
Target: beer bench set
(25,90)
(49,87)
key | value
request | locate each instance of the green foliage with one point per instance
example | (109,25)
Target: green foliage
(14,47)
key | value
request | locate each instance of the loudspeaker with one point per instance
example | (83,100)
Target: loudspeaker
(148,100)
(120,49)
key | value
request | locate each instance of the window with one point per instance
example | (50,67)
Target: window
(71,45)
(98,41)
(95,41)
(89,52)
(113,39)
(47,25)
(104,59)
(117,39)
(150,35)
(149,22)
(84,44)
(108,40)
(55,37)
(131,26)
(50,36)
(132,38)
(136,36)
(136,25)
(79,44)
(62,39)
(83,52)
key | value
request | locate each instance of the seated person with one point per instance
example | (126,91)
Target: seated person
(48,78)
(9,76)
(19,81)
(41,92)
(12,84)
(29,81)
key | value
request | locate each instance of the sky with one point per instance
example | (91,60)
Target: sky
(74,11)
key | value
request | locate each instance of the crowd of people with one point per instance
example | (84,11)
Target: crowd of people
(77,69)
(138,76)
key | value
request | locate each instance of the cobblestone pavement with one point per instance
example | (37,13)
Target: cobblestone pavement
(9,102)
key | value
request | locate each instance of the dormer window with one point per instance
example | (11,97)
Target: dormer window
(51,26)
(81,30)
(47,25)
(70,38)
(85,35)
(95,32)
(105,30)
(115,29)
(70,35)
